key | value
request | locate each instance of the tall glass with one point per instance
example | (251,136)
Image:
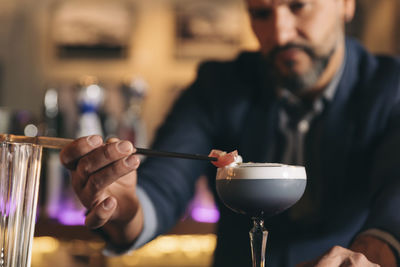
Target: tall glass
(260,190)
(20,165)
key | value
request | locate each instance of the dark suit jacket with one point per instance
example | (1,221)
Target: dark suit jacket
(232,105)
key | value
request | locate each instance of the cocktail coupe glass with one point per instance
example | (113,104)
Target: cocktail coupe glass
(260,190)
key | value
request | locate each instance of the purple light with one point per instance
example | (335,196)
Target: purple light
(71,217)
(67,211)
(205,214)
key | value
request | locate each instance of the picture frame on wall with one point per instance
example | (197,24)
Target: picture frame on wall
(92,29)
(208,29)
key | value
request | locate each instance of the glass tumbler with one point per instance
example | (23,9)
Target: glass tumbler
(20,165)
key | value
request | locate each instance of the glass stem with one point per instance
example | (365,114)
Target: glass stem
(258,241)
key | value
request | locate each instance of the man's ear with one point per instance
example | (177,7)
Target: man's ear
(349,7)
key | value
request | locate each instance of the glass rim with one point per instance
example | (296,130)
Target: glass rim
(20,143)
(253,170)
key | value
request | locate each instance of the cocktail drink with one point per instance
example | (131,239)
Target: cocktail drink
(260,190)
(19,182)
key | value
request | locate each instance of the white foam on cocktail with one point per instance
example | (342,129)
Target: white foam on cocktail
(238,160)
(253,170)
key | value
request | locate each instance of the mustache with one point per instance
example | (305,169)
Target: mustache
(307,49)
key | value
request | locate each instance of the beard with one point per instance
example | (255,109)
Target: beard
(298,83)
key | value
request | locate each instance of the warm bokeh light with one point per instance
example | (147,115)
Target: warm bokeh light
(164,251)
(30,130)
(180,250)
(45,244)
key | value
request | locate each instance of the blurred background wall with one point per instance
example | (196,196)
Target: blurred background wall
(30,61)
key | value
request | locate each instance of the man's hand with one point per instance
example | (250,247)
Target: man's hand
(375,250)
(340,257)
(366,250)
(104,179)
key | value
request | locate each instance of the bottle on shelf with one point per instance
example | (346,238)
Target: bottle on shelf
(131,125)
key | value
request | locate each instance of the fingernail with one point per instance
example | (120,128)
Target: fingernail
(131,161)
(124,147)
(108,203)
(94,140)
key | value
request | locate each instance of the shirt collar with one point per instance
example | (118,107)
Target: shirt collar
(331,89)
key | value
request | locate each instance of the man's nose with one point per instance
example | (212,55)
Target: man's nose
(284,27)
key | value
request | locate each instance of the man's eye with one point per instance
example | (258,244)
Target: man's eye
(260,13)
(297,6)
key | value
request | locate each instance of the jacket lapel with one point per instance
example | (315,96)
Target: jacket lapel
(339,128)
(259,136)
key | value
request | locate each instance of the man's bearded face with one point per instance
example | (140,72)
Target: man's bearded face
(294,75)
(299,38)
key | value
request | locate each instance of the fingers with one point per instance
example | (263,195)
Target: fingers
(375,249)
(70,155)
(103,156)
(112,140)
(99,180)
(96,173)
(95,165)
(339,256)
(101,174)
(101,214)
